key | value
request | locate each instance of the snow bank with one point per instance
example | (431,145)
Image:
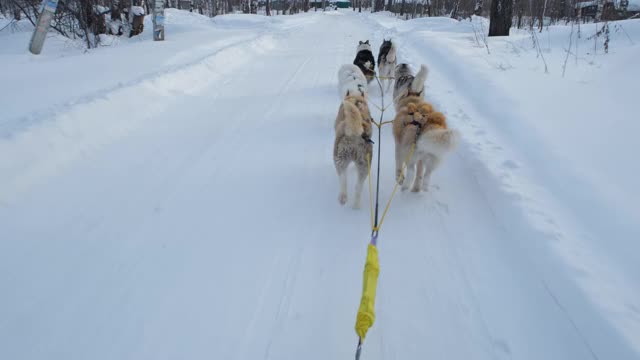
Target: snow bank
(243,20)
(35,144)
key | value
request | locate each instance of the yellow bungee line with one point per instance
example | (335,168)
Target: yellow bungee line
(366,312)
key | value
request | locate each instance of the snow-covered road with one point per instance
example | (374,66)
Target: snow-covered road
(193,214)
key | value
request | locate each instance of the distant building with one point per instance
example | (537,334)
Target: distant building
(605,9)
(333,3)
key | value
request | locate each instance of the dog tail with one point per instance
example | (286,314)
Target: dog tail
(352,119)
(417,85)
(391,55)
(351,80)
(438,141)
(350,72)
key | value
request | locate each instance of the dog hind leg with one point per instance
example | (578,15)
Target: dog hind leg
(342,198)
(363,171)
(420,172)
(389,74)
(400,156)
(410,177)
(341,168)
(431,162)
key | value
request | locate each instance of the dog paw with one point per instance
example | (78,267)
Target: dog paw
(427,187)
(415,189)
(342,198)
(400,178)
(356,205)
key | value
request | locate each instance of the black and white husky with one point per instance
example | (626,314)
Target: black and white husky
(387,62)
(365,61)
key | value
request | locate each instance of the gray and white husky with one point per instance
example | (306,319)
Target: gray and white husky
(352,144)
(387,62)
(408,84)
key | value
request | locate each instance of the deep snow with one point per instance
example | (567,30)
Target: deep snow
(187,207)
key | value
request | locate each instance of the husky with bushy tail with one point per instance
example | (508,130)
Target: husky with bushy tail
(407,84)
(422,139)
(352,144)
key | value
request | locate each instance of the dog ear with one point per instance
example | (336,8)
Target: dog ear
(366,42)
(360,42)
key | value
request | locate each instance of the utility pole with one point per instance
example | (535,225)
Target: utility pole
(44,20)
(158,20)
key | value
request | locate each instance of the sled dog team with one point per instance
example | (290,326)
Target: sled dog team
(422,137)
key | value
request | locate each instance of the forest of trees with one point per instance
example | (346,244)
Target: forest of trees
(84,19)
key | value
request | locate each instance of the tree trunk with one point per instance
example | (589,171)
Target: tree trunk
(477,10)
(389,5)
(268,7)
(454,12)
(544,10)
(500,22)
(378,5)
(402,7)
(519,4)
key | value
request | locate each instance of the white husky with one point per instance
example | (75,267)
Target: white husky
(351,81)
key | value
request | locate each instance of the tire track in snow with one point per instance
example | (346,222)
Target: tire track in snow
(285,299)
(473,303)
(293,268)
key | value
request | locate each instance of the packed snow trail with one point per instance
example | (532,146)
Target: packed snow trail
(213,230)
